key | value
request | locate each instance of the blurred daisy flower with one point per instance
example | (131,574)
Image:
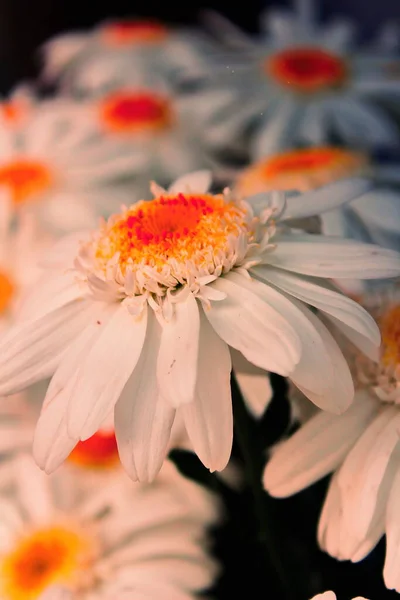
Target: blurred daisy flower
(361,447)
(151,543)
(304,83)
(16,107)
(142,312)
(372,217)
(165,134)
(55,167)
(116,53)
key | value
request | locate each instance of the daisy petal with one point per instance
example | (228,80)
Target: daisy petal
(391,571)
(317,448)
(253,383)
(33,490)
(246,322)
(198,182)
(143,419)
(106,370)
(177,357)
(208,419)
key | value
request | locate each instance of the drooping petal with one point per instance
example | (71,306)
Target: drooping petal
(391,570)
(34,490)
(177,357)
(143,419)
(253,327)
(317,448)
(208,419)
(198,182)
(105,371)
(253,383)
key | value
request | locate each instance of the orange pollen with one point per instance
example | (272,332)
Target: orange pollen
(99,451)
(7,290)
(25,178)
(136,112)
(390,330)
(130,32)
(178,227)
(55,555)
(301,169)
(306,69)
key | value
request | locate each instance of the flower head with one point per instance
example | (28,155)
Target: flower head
(143,319)
(100,543)
(299,83)
(361,447)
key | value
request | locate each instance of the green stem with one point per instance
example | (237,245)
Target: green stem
(252,454)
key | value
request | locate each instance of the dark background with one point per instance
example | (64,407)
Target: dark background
(291,524)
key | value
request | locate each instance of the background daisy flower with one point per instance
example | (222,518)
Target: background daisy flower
(55,167)
(152,540)
(116,53)
(303,83)
(144,320)
(362,448)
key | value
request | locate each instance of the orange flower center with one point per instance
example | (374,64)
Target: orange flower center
(54,555)
(390,330)
(99,451)
(12,111)
(135,112)
(306,69)
(25,178)
(7,289)
(300,170)
(171,229)
(125,33)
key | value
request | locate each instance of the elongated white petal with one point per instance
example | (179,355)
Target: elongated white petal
(105,371)
(143,419)
(277,131)
(32,350)
(177,357)
(208,419)
(320,294)
(317,448)
(198,182)
(391,570)
(252,326)
(34,490)
(321,256)
(360,341)
(362,476)
(325,198)
(253,382)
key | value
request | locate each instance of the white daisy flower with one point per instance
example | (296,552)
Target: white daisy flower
(303,83)
(372,217)
(143,319)
(167,134)
(362,448)
(56,167)
(150,542)
(116,53)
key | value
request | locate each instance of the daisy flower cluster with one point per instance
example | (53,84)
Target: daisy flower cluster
(193,221)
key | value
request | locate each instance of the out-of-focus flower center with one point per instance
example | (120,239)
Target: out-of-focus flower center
(135,112)
(53,555)
(99,451)
(130,32)
(25,179)
(7,290)
(306,69)
(173,238)
(12,111)
(300,170)
(390,331)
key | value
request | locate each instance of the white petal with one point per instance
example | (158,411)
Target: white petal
(105,371)
(320,294)
(249,324)
(11,523)
(391,570)
(321,256)
(32,350)
(317,448)
(143,419)
(198,182)
(177,358)
(208,419)
(253,383)
(361,476)
(278,131)
(324,198)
